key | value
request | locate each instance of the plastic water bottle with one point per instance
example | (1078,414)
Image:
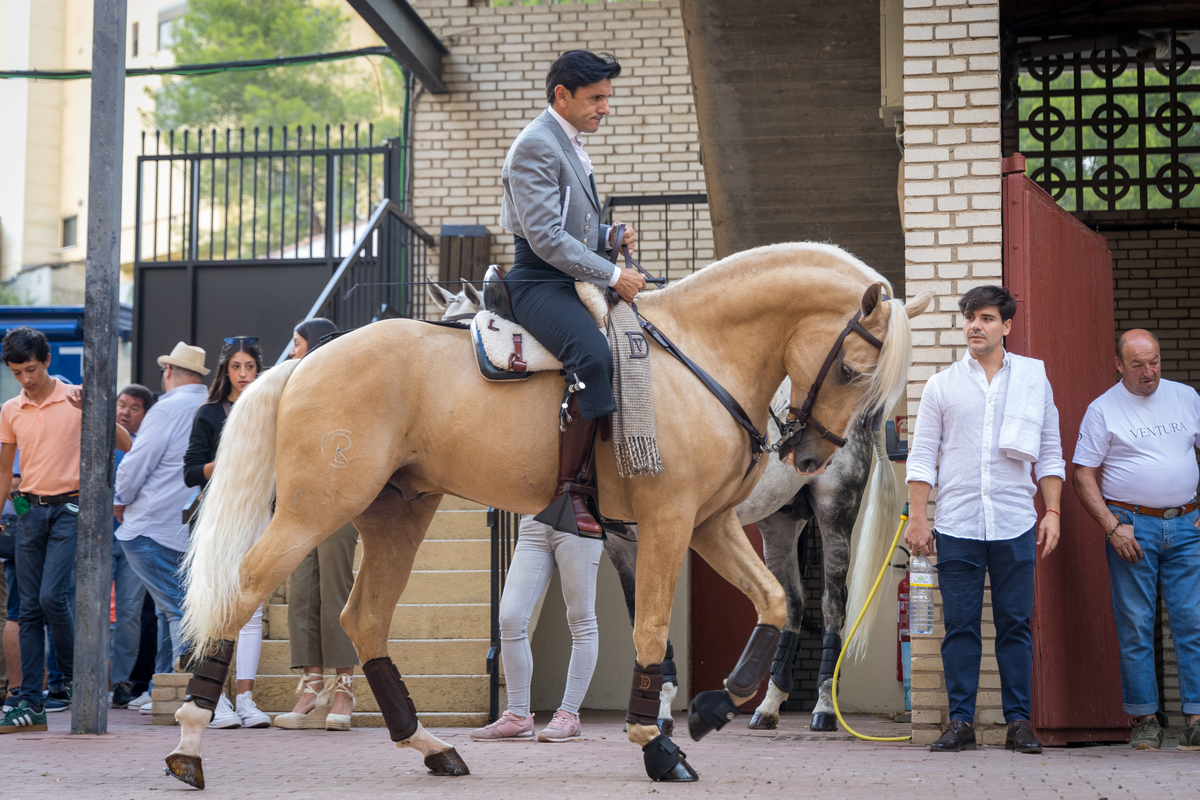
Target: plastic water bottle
(921,581)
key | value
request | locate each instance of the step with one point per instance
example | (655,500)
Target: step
(413,621)
(459,524)
(416,656)
(429,720)
(446,554)
(440,693)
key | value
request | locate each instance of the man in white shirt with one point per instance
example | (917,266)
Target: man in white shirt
(1136,474)
(967,442)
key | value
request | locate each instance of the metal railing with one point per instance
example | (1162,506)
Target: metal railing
(378,277)
(503,525)
(674,231)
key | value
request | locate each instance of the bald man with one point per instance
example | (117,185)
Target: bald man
(1136,473)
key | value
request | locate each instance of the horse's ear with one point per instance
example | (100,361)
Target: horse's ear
(440,297)
(918,304)
(870,299)
(473,295)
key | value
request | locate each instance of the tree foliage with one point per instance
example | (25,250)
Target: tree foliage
(311,94)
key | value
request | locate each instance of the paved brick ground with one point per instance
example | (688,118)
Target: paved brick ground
(736,762)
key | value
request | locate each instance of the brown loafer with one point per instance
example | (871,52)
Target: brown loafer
(958,735)
(1020,737)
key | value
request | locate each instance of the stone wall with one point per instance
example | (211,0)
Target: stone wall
(496,72)
(952,243)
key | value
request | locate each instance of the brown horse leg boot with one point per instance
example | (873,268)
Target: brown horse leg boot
(568,512)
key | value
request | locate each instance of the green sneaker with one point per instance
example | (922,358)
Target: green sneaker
(1146,735)
(1190,738)
(23,718)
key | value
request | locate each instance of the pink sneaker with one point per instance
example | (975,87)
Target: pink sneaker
(564,727)
(508,727)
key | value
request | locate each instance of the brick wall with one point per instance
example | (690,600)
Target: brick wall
(496,72)
(952,243)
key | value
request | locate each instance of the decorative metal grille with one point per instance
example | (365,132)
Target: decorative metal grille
(1106,131)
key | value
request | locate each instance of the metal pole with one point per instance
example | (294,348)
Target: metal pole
(89,707)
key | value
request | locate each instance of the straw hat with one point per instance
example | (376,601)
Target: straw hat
(186,356)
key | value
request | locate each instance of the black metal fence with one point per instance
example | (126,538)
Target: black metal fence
(503,525)
(674,232)
(236,233)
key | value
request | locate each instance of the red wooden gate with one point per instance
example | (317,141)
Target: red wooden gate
(1060,273)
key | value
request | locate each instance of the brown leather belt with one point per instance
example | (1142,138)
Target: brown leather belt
(1165,513)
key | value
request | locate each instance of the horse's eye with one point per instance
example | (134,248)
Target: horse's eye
(847,373)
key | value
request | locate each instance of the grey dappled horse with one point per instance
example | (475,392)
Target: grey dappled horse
(782,504)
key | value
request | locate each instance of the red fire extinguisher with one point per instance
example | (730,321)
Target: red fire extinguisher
(902,637)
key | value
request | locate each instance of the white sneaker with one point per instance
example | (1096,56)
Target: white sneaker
(225,716)
(146,708)
(141,700)
(249,713)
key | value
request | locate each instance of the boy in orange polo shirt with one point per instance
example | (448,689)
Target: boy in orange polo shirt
(44,420)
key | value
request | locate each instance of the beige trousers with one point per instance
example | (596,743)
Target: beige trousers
(317,594)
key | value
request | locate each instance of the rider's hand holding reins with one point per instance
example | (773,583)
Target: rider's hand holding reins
(629,284)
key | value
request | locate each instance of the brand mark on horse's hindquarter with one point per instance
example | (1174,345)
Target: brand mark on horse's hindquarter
(334,447)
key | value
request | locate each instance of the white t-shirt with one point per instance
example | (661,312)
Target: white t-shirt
(1143,446)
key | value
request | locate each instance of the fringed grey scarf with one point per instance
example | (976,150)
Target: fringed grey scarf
(633,423)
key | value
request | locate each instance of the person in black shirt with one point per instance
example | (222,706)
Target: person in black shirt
(241,363)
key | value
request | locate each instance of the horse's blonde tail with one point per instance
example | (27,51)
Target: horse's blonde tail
(235,511)
(879,522)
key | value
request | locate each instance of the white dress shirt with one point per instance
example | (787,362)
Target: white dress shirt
(573,134)
(982,494)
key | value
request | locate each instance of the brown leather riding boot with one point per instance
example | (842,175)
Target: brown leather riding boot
(574,467)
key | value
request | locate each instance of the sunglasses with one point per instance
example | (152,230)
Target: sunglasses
(240,341)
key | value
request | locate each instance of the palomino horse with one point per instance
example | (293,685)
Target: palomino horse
(782,504)
(377,425)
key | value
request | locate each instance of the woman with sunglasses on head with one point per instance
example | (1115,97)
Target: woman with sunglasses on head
(241,363)
(317,593)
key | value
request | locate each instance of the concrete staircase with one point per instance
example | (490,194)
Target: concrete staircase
(439,635)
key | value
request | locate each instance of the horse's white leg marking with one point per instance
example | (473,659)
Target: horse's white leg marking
(769,707)
(665,697)
(424,742)
(192,721)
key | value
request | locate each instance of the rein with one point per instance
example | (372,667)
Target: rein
(798,418)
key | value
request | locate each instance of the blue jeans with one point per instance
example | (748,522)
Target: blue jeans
(127,633)
(961,566)
(46,537)
(1171,557)
(159,569)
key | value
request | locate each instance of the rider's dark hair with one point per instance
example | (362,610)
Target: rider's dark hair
(25,344)
(984,296)
(576,68)
(311,331)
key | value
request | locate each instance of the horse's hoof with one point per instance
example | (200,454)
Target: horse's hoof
(186,768)
(666,763)
(666,726)
(709,712)
(823,721)
(447,762)
(763,722)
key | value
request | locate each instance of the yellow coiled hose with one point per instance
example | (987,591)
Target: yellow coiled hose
(837,667)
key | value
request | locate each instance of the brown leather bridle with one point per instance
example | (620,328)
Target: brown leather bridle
(800,419)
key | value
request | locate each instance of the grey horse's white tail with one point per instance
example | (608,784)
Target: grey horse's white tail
(879,521)
(235,511)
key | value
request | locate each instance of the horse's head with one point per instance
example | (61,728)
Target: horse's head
(851,363)
(463,305)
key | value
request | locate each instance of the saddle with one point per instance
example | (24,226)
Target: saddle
(504,351)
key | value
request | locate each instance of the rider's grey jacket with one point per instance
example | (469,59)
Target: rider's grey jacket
(550,200)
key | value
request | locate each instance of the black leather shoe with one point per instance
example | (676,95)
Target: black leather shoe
(1020,737)
(958,735)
